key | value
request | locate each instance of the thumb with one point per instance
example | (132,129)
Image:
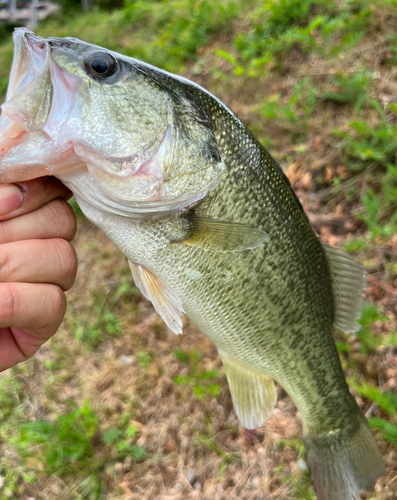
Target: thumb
(11,198)
(27,196)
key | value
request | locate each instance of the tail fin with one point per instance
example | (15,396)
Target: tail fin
(344,462)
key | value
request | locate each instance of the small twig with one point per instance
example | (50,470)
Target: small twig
(387,288)
(368,47)
(371,410)
(330,73)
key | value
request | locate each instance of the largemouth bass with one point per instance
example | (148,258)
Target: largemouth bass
(211,227)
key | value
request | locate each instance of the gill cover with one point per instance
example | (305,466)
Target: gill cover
(107,125)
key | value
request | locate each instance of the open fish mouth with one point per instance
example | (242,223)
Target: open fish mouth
(118,142)
(27,106)
(31,58)
(29,94)
(26,149)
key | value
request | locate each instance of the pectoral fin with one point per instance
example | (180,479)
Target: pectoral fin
(254,395)
(221,236)
(165,302)
(349,280)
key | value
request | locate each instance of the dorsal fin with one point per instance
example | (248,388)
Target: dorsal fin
(165,302)
(349,280)
(253,394)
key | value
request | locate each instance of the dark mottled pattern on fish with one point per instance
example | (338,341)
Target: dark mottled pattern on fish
(275,303)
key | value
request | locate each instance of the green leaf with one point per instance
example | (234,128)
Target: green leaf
(387,401)
(112,435)
(387,429)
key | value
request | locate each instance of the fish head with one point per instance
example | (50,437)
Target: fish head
(126,137)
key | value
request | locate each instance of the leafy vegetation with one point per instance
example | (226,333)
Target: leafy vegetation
(100,319)
(71,448)
(202,382)
(300,484)
(314,26)
(114,405)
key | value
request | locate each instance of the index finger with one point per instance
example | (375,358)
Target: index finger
(36,193)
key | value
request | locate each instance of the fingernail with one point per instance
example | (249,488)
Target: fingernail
(11,198)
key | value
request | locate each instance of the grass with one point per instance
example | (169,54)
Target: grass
(100,320)
(203,382)
(72,447)
(115,406)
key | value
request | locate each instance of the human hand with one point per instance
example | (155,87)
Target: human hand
(37,264)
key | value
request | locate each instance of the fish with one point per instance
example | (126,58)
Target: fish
(212,230)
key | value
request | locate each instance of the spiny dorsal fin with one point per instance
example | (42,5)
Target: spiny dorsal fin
(221,236)
(349,280)
(165,302)
(254,395)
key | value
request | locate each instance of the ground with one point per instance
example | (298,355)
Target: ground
(117,407)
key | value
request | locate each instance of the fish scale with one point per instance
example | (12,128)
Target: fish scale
(212,229)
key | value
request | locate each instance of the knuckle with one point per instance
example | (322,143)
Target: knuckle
(4,263)
(5,232)
(68,259)
(73,266)
(10,302)
(62,219)
(64,254)
(57,300)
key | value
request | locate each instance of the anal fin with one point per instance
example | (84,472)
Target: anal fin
(165,302)
(349,280)
(254,395)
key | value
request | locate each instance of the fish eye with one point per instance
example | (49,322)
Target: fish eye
(101,65)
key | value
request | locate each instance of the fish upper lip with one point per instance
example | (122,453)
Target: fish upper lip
(35,42)
(29,42)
